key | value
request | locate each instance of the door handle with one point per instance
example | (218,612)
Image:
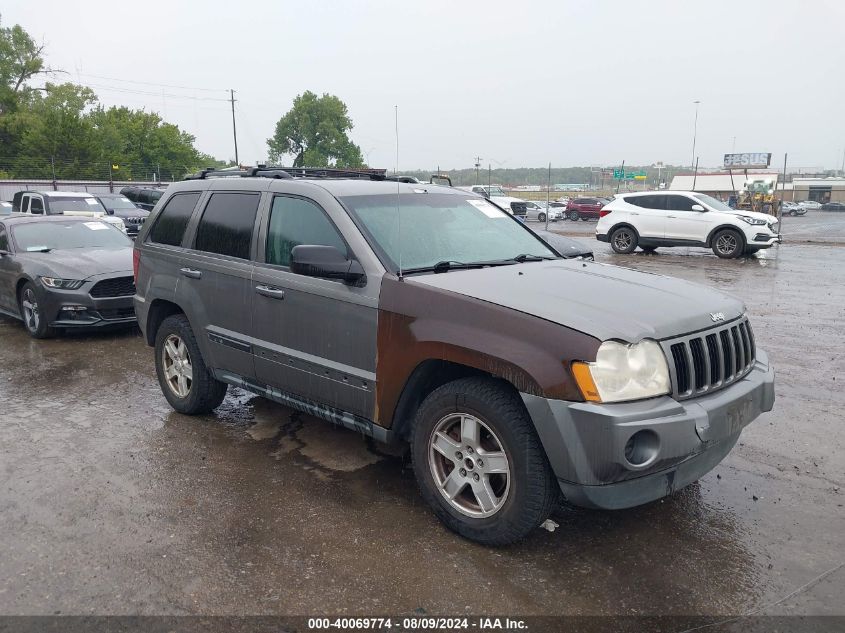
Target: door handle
(634,213)
(272,293)
(190,272)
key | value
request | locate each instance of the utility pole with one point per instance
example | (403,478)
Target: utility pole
(695,174)
(234,128)
(694,132)
(782,187)
(477,165)
(53,169)
(548,195)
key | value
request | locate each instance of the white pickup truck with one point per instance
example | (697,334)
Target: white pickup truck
(64,203)
(496,194)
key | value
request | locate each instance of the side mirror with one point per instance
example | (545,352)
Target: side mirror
(698,207)
(110,211)
(324,261)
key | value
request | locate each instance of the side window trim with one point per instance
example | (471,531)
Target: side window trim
(264,233)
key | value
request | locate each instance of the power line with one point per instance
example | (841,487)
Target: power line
(149,83)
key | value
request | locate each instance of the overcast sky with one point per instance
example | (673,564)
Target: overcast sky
(518,83)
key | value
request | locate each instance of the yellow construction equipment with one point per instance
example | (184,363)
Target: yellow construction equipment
(758,194)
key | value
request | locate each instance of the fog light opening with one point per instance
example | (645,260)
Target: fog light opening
(641,448)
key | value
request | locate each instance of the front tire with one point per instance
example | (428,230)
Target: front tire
(183,376)
(479,463)
(728,244)
(574,216)
(34,319)
(541,217)
(623,240)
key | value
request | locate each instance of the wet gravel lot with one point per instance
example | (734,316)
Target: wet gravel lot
(111,503)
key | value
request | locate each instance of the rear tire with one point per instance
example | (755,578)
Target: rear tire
(574,216)
(728,244)
(479,463)
(183,376)
(623,240)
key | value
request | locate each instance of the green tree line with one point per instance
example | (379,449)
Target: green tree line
(61,130)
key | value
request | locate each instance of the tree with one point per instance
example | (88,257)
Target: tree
(314,132)
(20,60)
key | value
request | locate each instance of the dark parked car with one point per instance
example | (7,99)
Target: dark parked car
(143,197)
(122,207)
(59,272)
(833,206)
(584,208)
(430,316)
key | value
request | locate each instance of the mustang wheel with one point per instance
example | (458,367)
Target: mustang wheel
(33,319)
(182,374)
(479,463)
(727,244)
(623,240)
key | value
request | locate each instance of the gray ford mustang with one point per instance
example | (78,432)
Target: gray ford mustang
(61,272)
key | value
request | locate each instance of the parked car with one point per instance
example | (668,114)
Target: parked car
(566,246)
(833,206)
(143,197)
(59,272)
(119,205)
(497,195)
(684,218)
(538,211)
(584,208)
(812,205)
(63,203)
(5,208)
(437,319)
(793,209)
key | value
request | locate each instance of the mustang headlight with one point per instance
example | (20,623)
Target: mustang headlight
(62,284)
(624,372)
(753,221)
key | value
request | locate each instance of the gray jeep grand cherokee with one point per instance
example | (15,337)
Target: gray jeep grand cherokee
(425,314)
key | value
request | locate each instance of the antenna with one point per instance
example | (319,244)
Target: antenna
(398,185)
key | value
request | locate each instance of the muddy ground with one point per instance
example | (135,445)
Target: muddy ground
(111,503)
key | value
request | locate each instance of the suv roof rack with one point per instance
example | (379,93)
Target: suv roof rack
(264,171)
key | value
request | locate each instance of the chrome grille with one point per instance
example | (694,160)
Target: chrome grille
(707,361)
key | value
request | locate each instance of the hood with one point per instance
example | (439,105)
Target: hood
(82,263)
(607,302)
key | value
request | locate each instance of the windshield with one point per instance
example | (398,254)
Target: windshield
(496,191)
(119,203)
(38,236)
(713,203)
(441,227)
(59,204)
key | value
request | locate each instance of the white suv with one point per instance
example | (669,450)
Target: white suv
(683,218)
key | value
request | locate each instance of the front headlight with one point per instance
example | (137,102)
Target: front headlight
(62,284)
(624,372)
(753,221)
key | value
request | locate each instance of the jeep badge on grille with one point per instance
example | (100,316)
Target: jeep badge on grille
(717,316)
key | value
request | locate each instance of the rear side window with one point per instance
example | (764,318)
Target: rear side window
(226,224)
(170,225)
(648,202)
(294,221)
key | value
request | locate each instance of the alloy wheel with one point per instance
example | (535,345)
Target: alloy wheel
(178,371)
(726,244)
(469,465)
(622,240)
(31,315)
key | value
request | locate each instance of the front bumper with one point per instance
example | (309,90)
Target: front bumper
(78,309)
(586,442)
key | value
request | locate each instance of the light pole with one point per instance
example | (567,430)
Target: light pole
(694,133)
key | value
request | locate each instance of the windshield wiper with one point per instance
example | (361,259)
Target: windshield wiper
(442,267)
(526,257)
